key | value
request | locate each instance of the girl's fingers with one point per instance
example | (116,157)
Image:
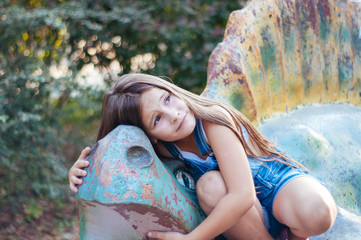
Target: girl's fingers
(165,235)
(76,180)
(82,173)
(73,187)
(76,171)
(155,235)
(84,153)
(80,163)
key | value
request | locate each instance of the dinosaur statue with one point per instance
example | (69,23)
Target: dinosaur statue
(292,68)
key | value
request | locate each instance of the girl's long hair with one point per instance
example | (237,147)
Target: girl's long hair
(122,106)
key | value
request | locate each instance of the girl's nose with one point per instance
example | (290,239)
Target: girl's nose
(173,115)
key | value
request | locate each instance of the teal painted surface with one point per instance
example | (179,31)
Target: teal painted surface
(291,54)
(327,140)
(276,55)
(128,191)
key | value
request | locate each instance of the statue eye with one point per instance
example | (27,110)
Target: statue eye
(185,179)
(139,156)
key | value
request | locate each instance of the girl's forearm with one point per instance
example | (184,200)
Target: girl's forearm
(226,213)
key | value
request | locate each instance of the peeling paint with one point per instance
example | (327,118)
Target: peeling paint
(292,53)
(135,196)
(275,55)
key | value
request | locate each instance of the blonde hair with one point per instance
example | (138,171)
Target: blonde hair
(122,106)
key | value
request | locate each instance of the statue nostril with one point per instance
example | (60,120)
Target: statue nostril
(139,156)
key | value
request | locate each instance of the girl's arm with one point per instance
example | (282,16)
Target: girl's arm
(77,170)
(235,169)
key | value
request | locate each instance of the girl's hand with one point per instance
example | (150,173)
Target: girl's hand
(77,170)
(166,236)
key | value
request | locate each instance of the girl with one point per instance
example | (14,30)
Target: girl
(246,186)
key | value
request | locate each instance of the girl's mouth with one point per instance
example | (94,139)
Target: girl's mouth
(183,120)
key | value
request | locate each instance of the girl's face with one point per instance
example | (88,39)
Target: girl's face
(165,117)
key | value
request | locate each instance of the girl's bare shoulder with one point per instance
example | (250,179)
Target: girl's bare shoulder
(221,111)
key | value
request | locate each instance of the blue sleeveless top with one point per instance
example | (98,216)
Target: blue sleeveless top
(269,177)
(198,165)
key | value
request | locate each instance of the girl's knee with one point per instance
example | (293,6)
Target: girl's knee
(210,189)
(315,217)
(320,214)
(306,207)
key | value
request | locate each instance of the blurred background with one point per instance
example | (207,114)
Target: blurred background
(57,57)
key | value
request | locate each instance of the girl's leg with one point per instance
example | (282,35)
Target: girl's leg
(210,189)
(306,207)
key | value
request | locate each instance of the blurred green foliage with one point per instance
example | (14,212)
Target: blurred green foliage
(46,116)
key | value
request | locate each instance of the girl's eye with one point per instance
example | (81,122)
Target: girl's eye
(156,120)
(167,99)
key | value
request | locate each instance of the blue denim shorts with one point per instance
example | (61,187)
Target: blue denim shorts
(269,179)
